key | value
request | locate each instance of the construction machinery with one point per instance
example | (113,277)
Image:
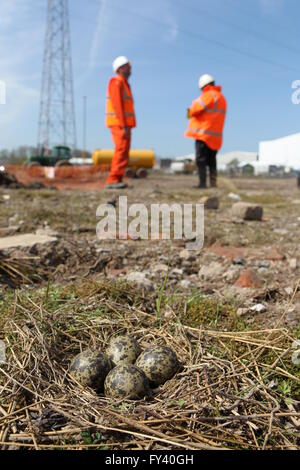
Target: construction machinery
(140,161)
(59,156)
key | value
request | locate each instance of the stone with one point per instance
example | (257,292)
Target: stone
(160,268)
(210,202)
(177,273)
(246,211)
(46,232)
(186,255)
(234,197)
(232,252)
(248,280)
(264,264)
(281,231)
(27,240)
(185,284)
(296,358)
(242,311)
(232,274)
(140,279)
(293,264)
(289,290)
(259,308)
(239,262)
(210,272)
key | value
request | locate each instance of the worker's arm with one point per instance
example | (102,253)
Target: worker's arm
(116,92)
(201,104)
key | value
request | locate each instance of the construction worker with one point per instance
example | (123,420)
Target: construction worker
(120,118)
(206,122)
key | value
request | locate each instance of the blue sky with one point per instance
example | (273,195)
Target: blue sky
(251,46)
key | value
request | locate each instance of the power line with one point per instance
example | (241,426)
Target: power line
(255,34)
(204,38)
(247,12)
(131,35)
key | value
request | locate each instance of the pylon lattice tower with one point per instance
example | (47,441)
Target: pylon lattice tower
(57,125)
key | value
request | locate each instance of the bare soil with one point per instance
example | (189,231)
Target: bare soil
(230,310)
(269,248)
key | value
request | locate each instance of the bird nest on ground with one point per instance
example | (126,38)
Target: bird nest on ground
(15,271)
(229,393)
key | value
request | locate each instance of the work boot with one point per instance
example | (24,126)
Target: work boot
(200,186)
(213,180)
(113,186)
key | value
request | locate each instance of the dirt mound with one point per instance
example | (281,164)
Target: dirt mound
(8,180)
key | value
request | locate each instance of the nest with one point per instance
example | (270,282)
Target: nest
(15,271)
(225,396)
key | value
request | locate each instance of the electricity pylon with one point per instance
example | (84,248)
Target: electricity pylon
(57,125)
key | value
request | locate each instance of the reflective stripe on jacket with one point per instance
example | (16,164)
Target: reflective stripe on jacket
(207,117)
(119,104)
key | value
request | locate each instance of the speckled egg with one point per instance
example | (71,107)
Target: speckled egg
(159,364)
(90,369)
(123,350)
(126,381)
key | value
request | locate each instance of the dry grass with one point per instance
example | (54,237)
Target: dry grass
(236,390)
(17,271)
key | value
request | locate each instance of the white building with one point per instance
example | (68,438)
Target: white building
(241,158)
(281,152)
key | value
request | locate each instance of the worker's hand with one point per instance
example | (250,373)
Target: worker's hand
(126,132)
(188,113)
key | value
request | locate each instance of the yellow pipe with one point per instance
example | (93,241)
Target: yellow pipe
(138,158)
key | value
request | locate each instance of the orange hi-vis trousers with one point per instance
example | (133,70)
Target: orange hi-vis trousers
(121,156)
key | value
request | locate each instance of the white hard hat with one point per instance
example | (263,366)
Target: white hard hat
(205,80)
(119,62)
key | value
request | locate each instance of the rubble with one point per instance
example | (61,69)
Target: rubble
(241,312)
(160,268)
(249,280)
(293,263)
(140,279)
(210,202)
(234,197)
(289,290)
(296,358)
(259,308)
(177,273)
(27,240)
(185,284)
(246,211)
(212,271)
(264,264)
(187,255)
(8,180)
(239,262)
(217,270)
(232,273)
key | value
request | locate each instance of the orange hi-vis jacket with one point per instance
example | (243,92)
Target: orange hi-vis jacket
(207,117)
(119,104)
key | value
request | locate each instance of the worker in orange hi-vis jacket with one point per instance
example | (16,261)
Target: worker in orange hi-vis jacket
(120,118)
(206,123)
